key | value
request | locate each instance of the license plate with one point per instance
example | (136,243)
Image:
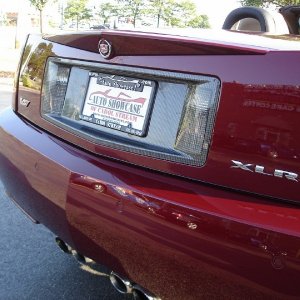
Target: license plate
(119,102)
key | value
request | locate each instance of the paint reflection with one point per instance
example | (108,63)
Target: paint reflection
(265,243)
(270,114)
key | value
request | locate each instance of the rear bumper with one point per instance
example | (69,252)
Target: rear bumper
(177,238)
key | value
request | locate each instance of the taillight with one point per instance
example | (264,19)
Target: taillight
(54,88)
(197,121)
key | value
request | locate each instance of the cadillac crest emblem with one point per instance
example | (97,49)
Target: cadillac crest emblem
(105,48)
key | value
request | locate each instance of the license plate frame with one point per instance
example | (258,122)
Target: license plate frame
(119,102)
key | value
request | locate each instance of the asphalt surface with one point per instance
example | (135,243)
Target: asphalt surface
(5,95)
(33,267)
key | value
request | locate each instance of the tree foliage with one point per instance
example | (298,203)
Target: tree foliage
(77,10)
(200,21)
(161,10)
(135,9)
(266,3)
(108,10)
(183,14)
(175,13)
(188,16)
(39,5)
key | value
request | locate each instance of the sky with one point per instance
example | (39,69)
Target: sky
(217,10)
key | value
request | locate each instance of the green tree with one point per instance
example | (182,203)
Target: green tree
(77,10)
(266,3)
(199,21)
(184,14)
(175,13)
(108,10)
(134,8)
(187,11)
(39,5)
(162,10)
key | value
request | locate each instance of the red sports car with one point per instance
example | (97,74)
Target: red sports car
(171,158)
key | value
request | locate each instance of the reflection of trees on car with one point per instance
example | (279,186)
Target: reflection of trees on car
(32,77)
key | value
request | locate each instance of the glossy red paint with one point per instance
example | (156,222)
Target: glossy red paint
(158,230)
(21,172)
(256,121)
(180,231)
(125,44)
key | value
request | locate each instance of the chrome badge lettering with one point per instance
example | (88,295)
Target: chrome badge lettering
(239,165)
(261,170)
(285,174)
(24,102)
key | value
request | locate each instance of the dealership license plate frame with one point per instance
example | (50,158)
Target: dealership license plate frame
(126,90)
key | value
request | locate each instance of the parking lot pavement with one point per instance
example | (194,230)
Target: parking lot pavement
(9,57)
(31,265)
(5,99)
(5,94)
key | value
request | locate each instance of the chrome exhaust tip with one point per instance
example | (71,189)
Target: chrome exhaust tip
(140,293)
(122,285)
(62,245)
(79,257)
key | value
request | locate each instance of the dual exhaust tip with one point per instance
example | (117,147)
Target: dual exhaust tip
(68,250)
(124,286)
